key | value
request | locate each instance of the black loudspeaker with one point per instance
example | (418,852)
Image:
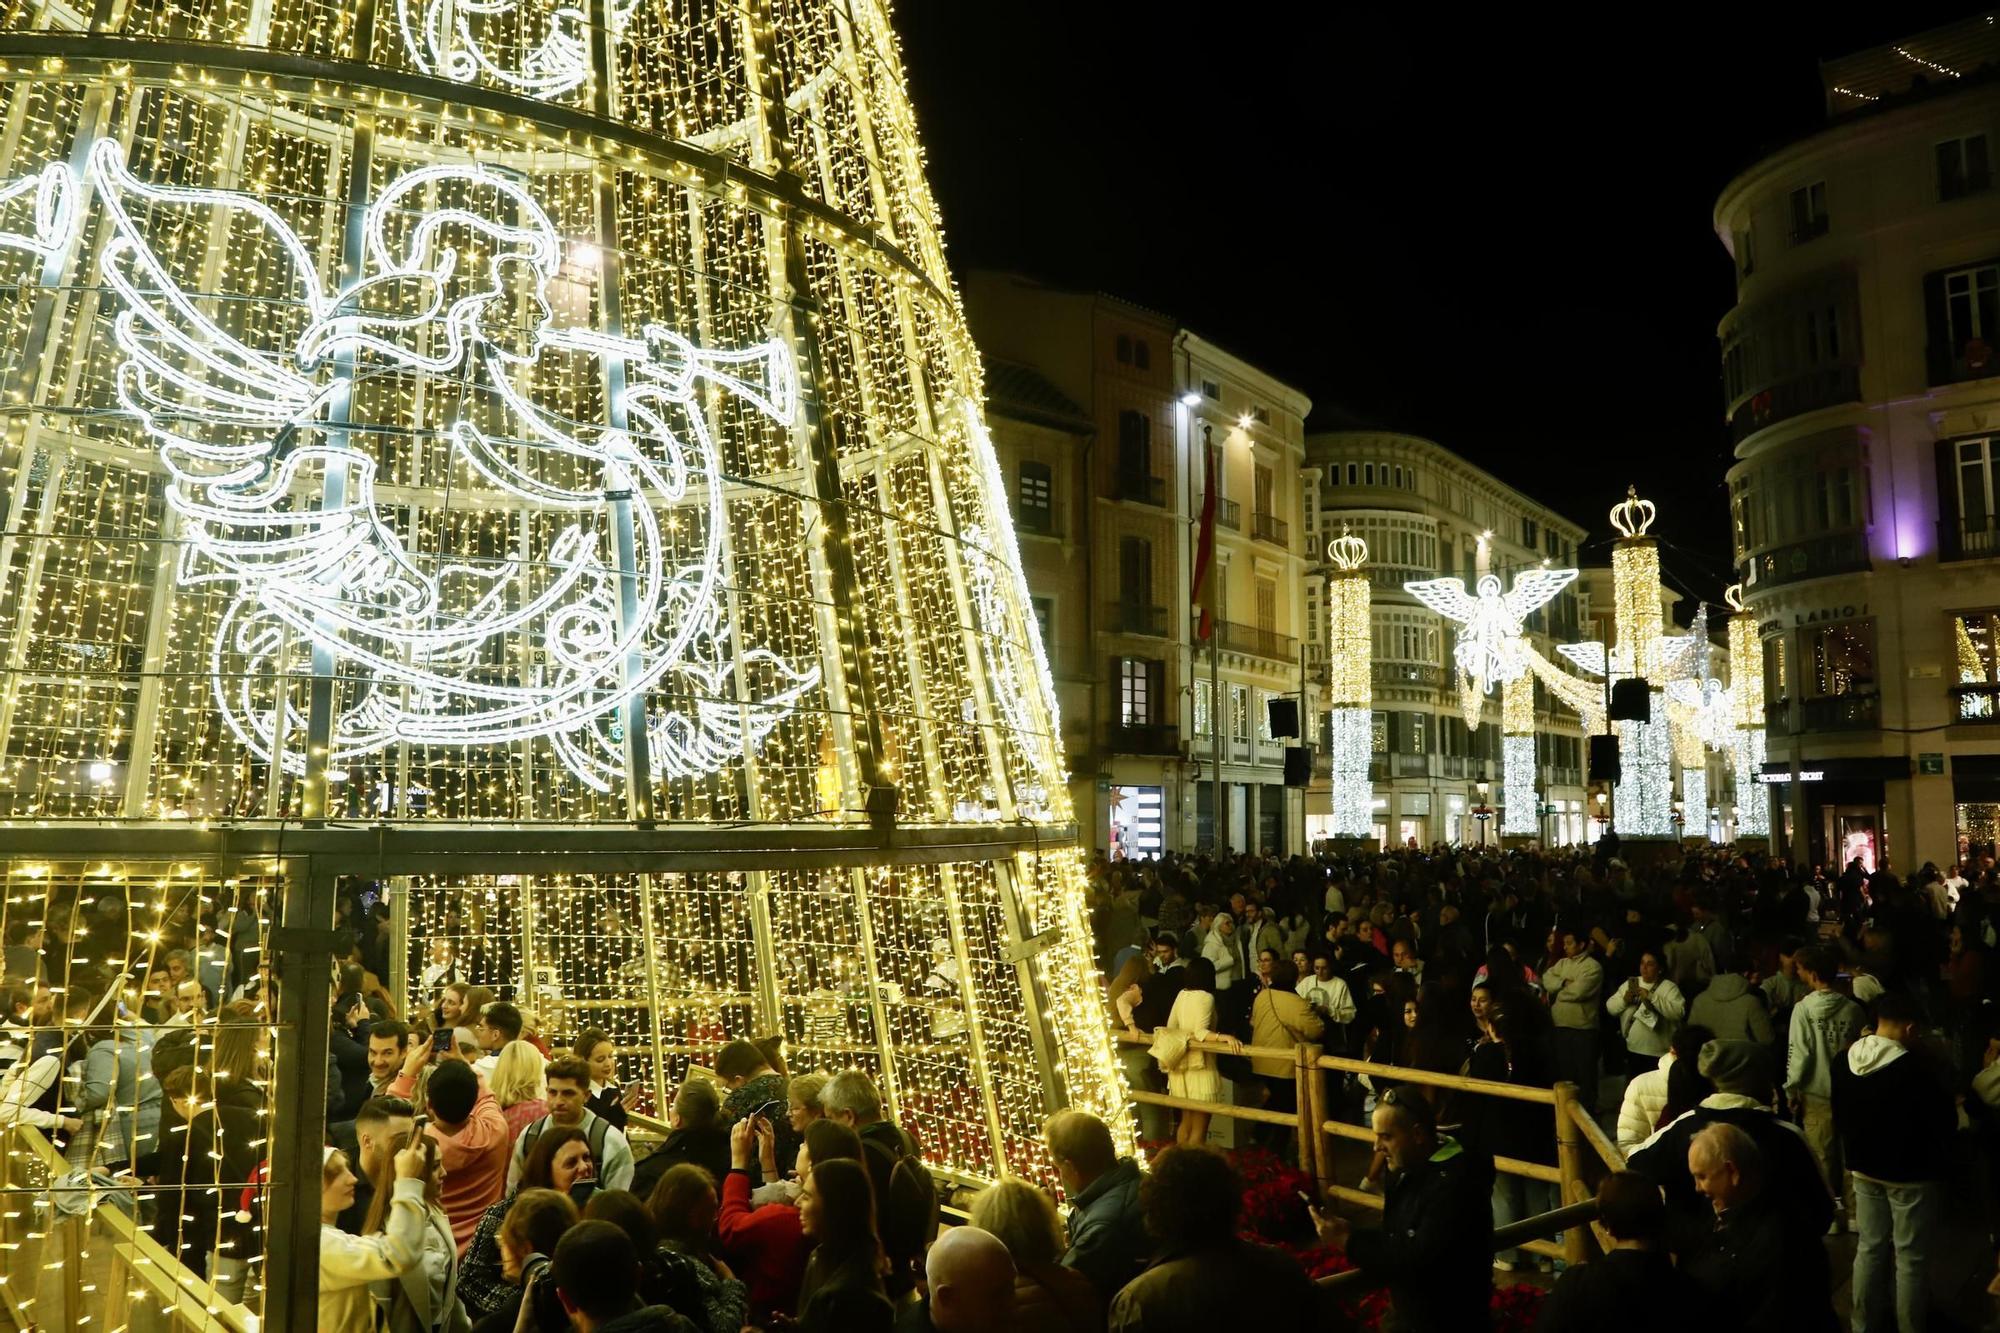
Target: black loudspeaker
(882,804)
(1298,764)
(1284,717)
(1631,701)
(1604,759)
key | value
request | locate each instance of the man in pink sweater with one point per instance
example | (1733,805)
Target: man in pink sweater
(473,1141)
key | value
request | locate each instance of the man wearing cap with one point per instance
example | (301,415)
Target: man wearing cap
(1741,1073)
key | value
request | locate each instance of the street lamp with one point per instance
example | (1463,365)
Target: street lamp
(1190,399)
(1482,812)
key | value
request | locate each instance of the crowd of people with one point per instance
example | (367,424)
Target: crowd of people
(1779,1055)
(1783,1054)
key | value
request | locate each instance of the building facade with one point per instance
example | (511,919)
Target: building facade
(1100,413)
(1427,513)
(1862,392)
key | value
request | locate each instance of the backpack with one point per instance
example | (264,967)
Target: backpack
(594,1131)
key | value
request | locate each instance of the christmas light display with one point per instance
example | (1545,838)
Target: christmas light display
(1521,814)
(1746,717)
(530,423)
(1643,804)
(1350,683)
(1489,636)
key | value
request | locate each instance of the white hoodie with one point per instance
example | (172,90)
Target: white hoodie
(1871,1053)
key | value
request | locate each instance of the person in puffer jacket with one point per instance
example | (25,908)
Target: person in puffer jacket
(1896,1117)
(1646,1095)
(1733,1010)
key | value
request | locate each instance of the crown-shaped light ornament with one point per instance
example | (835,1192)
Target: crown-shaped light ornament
(1347,551)
(1733,595)
(1632,516)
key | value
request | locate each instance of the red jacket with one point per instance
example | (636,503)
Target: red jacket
(764,1247)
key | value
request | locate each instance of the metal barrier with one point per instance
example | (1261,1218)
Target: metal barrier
(1572,1125)
(95,1270)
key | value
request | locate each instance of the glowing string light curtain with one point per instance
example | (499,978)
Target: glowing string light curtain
(1520,815)
(1350,684)
(521,416)
(1643,801)
(1746,711)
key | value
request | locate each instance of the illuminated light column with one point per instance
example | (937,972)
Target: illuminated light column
(1644,798)
(1520,814)
(1746,708)
(1350,686)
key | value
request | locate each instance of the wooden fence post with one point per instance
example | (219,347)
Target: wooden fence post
(1306,1078)
(1569,1162)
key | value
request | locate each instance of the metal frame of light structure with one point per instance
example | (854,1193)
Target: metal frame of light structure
(492,351)
(1350,684)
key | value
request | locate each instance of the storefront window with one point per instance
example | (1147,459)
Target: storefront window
(1841,658)
(1977,635)
(1777,678)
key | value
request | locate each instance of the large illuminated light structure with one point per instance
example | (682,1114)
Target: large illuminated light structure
(548,432)
(1643,803)
(1746,715)
(1491,649)
(1350,684)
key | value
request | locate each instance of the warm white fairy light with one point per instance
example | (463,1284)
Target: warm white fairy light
(1350,684)
(475,438)
(1746,715)
(1490,621)
(1643,803)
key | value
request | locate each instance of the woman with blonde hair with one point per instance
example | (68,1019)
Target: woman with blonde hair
(347,1264)
(517,1084)
(1047,1296)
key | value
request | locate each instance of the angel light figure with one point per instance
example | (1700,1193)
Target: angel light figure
(1489,624)
(273,481)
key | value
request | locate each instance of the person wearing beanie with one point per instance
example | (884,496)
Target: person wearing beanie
(1894,1111)
(1741,1074)
(1824,1024)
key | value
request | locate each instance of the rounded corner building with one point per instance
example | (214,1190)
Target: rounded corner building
(511,475)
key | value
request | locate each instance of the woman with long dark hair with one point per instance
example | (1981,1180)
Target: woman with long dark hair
(842,1291)
(1191,1073)
(559,1161)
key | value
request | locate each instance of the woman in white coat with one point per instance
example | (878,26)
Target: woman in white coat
(1649,1009)
(1191,1073)
(347,1264)
(1220,950)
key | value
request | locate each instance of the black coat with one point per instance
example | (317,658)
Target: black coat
(705,1148)
(1768,1272)
(1634,1291)
(1897,1123)
(1792,1174)
(1434,1249)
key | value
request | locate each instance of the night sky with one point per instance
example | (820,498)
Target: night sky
(1493,231)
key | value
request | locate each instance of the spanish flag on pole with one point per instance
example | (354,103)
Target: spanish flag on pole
(1204,551)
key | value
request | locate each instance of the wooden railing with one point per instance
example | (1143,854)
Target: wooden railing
(1572,1125)
(94,1270)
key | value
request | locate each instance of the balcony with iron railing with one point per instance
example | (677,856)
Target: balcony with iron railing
(1976,704)
(1814,558)
(1228,514)
(1271,528)
(1969,538)
(1235,637)
(1135,617)
(1141,488)
(1840,712)
(1153,738)
(1778,716)
(1828,386)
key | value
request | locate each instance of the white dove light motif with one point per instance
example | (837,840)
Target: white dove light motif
(275,502)
(1489,624)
